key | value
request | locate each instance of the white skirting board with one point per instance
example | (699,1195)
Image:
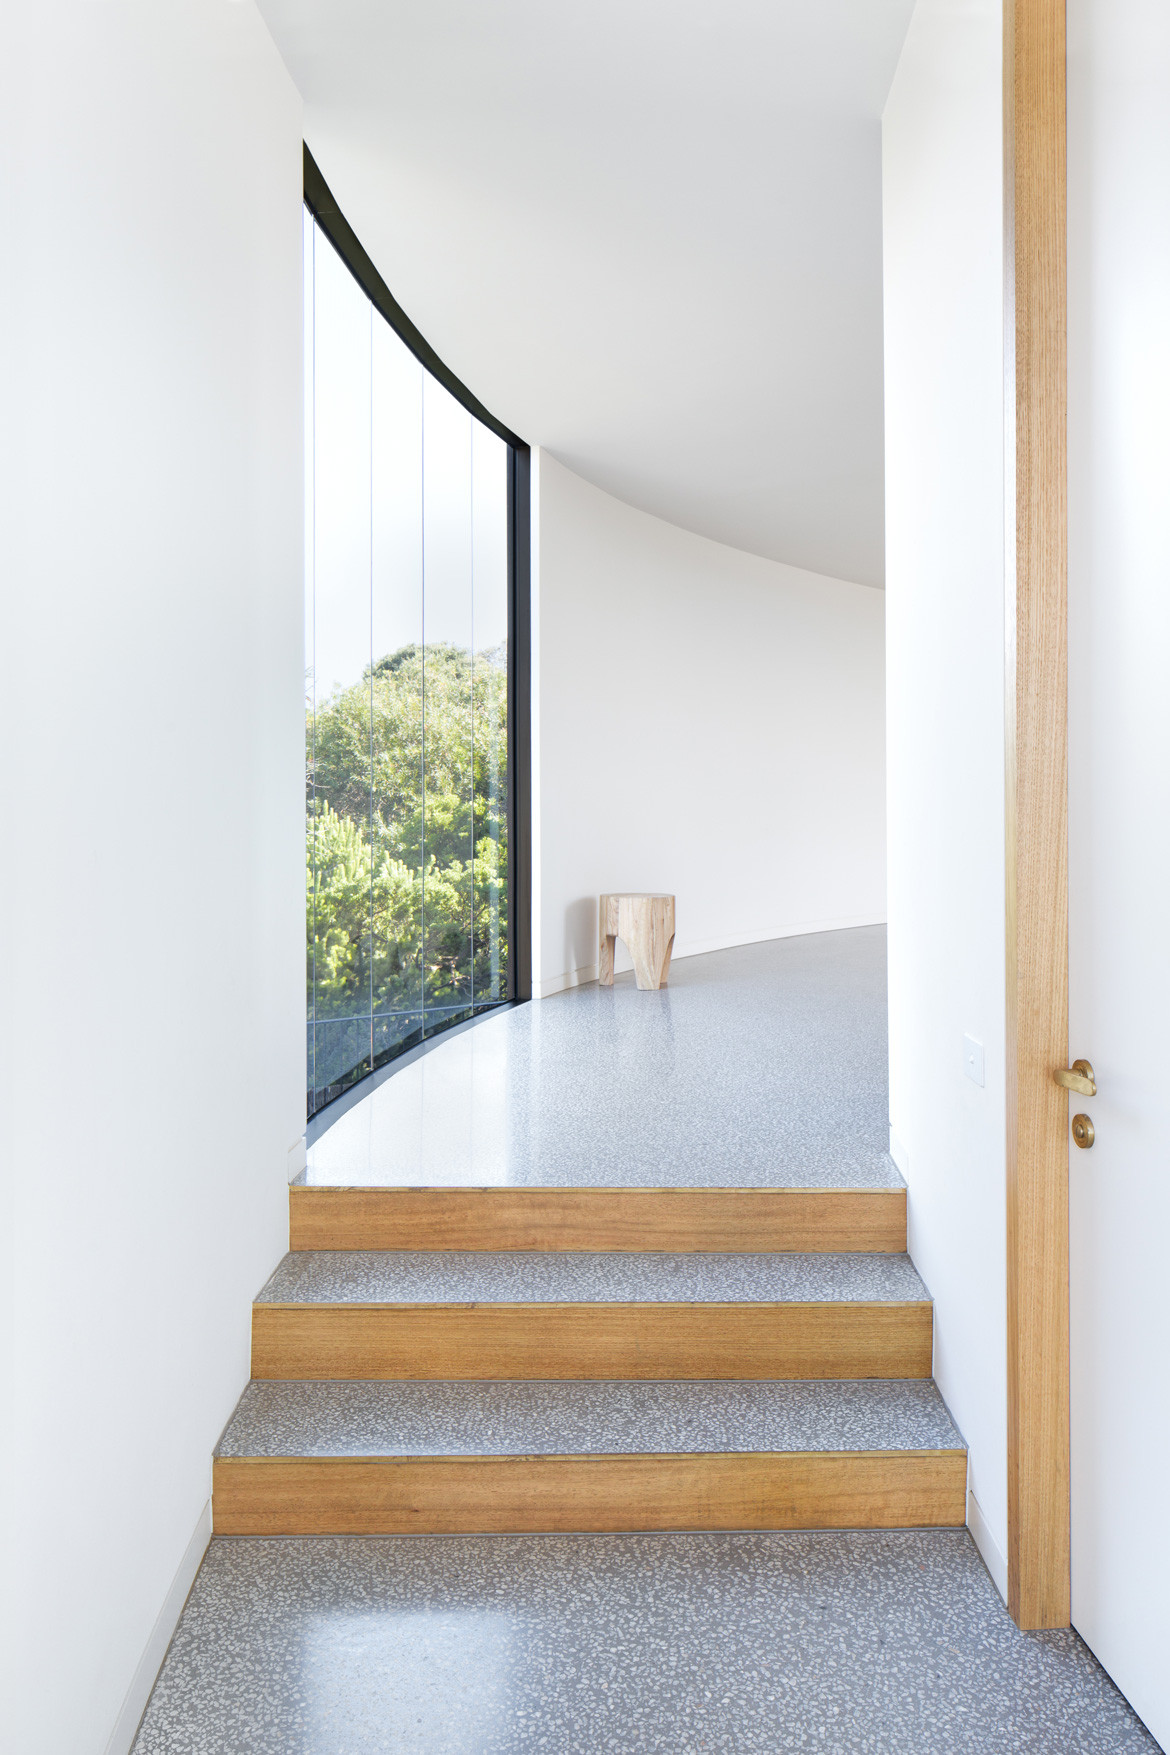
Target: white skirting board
(128,1720)
(900,1155)
(545,988)
(561,983)
(976,1522)
(987,1545)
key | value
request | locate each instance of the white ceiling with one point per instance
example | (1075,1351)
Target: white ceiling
(646,234)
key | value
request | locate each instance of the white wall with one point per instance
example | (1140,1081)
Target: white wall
(705,722)
(943,218)
(153,1053)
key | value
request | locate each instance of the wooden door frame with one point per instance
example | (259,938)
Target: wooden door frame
(1035,704)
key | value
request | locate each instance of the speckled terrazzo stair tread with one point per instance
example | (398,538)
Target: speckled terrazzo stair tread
(446,1419)
(842,1177)
(851,1644)
(556,1277)
(840,1172)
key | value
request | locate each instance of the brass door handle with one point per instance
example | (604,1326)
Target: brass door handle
(1077,1077)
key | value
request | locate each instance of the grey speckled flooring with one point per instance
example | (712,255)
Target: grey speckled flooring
(581,1419)
(870,1643)
(533,1277)
(759,1067)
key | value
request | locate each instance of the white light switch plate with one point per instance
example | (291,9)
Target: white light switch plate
(973,1059)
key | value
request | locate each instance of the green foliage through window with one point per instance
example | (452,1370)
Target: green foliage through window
(407,595)
(407,839)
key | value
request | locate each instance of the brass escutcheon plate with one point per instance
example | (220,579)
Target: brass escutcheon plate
(1083,1131)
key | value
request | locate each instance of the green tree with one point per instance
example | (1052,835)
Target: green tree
(407,835)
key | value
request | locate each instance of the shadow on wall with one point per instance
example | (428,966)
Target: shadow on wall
(581,935)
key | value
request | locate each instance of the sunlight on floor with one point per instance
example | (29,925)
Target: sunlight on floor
(441,1120)
(762,1066)
(374,1681)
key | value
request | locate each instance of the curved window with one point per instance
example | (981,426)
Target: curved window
(411,621)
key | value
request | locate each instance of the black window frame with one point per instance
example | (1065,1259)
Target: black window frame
(319,200)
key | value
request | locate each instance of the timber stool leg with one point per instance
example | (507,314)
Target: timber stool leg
(645,925)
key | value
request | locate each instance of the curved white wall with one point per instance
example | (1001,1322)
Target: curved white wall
(153,884)
(704,722)
(943,197)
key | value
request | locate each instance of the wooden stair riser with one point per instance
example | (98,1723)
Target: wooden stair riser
(658,1341)
(739,1220)
(289,1496)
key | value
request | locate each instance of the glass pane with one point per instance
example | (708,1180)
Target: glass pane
(396,823)
(489,503)
(448,623)
(394,1032)
(406,624)
(341,780)
(341,1053)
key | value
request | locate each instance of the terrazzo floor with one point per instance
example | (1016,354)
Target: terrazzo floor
(868,1643)
(758,1067)
(537,1277)
(584,1418)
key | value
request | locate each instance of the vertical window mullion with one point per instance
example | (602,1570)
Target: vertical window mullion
(422,745)
(370,815)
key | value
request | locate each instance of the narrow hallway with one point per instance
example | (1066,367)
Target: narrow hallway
(632,1444)
(500,496)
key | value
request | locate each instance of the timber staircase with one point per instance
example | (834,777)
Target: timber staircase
(514,1359)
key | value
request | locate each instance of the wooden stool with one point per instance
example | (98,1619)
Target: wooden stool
(645,925)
